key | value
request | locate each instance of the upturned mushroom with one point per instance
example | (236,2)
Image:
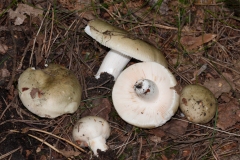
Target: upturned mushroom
(144,95)
(123,48)
(198,103)
(50,92)
(92,132)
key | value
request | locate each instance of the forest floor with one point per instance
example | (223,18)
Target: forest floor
(200,40)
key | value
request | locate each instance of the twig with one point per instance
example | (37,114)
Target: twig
(9,153)
(140,149)
(14,57)
(49,145)
(34,41)
(24,54)
(215,129)
(155,25)
(38,130)
(7,105)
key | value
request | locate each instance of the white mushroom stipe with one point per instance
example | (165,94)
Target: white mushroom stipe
(88,30)
(146,89)
(113,63)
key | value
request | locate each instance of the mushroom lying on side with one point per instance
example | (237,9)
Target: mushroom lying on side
(198,103)
(144,95)
(92,132)
(122,46)
(50,92)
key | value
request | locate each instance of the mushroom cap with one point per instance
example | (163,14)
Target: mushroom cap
(119,40)
(138,112)
(50,92)
(198,103)
(93,131)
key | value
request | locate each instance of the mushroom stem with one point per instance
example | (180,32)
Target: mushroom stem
(146,89)
(113,64)
(98,143)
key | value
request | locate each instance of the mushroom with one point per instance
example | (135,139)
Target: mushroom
(50,92)
(122,46)
(92,132)
(144,95)
(197,103)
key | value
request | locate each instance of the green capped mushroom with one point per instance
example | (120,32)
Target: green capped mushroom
(198,103)
(49,92)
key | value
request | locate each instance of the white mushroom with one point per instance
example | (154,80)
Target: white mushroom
(144,95)
(197,103)
(50,92)
(123,47)
(92,131)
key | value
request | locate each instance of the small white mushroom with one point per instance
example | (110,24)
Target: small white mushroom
(92,131)
(123,47)
(144,95)
(50,92)
(197,103)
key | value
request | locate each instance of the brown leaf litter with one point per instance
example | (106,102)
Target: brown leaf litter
(101,108)
(172,128)
(190,42)
(220,85)
(3,48)
(22,9)
(228,114)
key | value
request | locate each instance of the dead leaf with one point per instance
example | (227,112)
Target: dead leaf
(77,5)
(219,86)
(20,12)
(198,72)
(38,55)
(191,43)
(3,48)
(186,152)
(155,139)
(172,128)
(43,157)
(69,153)
(228,114)
(226,147)
(226,97)
(4,73)
(204,2)
(101,108)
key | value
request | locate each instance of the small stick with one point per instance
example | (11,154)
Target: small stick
(9,153)
(38,130)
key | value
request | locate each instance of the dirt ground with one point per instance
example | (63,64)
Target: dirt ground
(199,39)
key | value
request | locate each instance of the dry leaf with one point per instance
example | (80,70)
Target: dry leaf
(3,48)
(228,114)
(198,72)
(21,10)
(172,128)
(163,9)
(4,73)
(204,2)
(155,139)
(77,5)
(226,147)
(218,86)
(101,108)
(186,152)
(191,43)
(70,153)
